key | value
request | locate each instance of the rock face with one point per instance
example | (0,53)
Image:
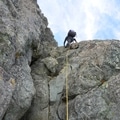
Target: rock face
(35,72)
(24,37)
(92,72)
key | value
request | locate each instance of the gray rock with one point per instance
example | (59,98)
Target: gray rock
(51,64)
(24,38)
(7,86)
(35,72)
(39,109)
(93,82)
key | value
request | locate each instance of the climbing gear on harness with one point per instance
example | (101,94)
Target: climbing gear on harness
(74,46)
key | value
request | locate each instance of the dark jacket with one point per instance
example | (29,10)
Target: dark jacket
(69,40)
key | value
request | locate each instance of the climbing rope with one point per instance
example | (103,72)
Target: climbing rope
(66,84)
(66,81)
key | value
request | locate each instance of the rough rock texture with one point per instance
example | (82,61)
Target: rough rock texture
(92,72)
(34,70)
(24,37)
(7,86)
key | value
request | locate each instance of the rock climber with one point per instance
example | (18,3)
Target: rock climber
(70,38)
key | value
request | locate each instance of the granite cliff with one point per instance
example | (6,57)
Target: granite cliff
(34,70)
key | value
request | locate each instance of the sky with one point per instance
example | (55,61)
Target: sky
(91,19)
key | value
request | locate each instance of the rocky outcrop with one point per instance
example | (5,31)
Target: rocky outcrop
(92,72)
(35,73)
(24,37)
(7,86)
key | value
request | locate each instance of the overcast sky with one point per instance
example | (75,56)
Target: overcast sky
(91,19)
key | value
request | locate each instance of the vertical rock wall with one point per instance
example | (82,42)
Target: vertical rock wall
(92,72)
(33,70)
(24,37)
